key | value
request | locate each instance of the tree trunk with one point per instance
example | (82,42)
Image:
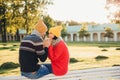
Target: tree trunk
(3,27)
(26,15)
(18,36)
(4,35)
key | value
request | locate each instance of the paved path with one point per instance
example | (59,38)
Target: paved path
(107,73)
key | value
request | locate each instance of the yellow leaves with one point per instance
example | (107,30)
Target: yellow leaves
(9,14)
(119,25)
(11,30)
(109,32)
(108,29)
(84,27)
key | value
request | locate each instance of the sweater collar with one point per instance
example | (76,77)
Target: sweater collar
(55,42)
(37,34)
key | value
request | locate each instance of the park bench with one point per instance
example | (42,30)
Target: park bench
(106,73)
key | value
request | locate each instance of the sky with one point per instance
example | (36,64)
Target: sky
(78,10)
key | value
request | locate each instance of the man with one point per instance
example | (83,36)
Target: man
(31,51)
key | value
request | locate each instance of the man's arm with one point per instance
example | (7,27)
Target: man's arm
(46,44)
(43,57)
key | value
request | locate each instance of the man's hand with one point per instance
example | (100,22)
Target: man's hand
(46,42)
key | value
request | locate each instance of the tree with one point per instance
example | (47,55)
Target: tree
(71,23)
(3,21)
(113,8)
(48,21)
(23,14)
(16,20)
(32,11)
(109,32)
(83,31)
(64,31)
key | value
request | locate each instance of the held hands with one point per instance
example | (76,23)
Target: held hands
(46,42)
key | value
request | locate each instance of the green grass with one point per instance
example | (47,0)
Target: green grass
(80,55)
(13,43)
(12,48)
(6,72)
(9,46)
(99,44)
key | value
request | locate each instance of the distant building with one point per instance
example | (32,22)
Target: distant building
(10,37)
(96,32)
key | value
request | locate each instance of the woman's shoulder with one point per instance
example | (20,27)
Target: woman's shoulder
(62,43)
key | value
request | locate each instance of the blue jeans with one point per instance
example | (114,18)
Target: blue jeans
(43,70)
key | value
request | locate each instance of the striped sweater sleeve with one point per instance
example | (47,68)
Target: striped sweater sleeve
(39,48)
(41,52)
(35,44)
(32,46)
(44,56)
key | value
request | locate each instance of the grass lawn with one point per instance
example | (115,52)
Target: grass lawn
(88,55)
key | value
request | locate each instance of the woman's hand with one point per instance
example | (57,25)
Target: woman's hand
(46,42)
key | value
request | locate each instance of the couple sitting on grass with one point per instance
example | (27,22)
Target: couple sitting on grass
(34,49)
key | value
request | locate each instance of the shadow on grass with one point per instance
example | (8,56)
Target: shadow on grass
(12,49)
(73,60)
(3,48)
(100,57)
(116,65)
(117,48)
(104,46)
(104,50)
(5,67)
(4,44)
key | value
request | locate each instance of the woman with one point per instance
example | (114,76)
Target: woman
(58,52)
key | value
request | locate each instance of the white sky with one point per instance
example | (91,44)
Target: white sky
(78,10)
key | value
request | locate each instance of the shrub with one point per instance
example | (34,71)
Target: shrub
(117,48)
(104,50)
(9,65)
(4,44)
(116,65)
(101,57)
(12,49)
(15,45)
(73,60)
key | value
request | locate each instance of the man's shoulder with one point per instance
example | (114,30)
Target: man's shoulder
(33,38)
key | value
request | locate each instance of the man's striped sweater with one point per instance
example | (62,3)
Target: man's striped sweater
(30,52)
